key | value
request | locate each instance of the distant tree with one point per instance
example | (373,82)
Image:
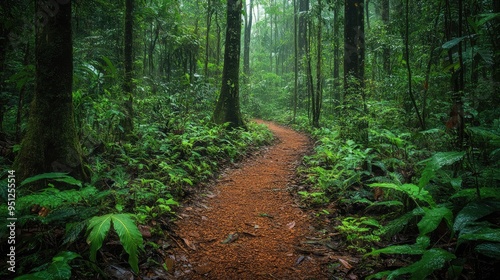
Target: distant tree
(246,50)
(127,123)
(386,56)
(228,104)
(51,143)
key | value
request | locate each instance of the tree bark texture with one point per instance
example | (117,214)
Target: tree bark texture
(354,42)
(228,104)
(50,143)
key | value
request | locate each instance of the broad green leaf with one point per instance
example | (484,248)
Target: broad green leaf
(411,190)
(436,162)
(432,218)
(130,237)
(474,211)
(169,201)
(486,192)
(482,232)
(388,203)
(431,260)
(99,227)
(489,249)
(415,249)
(60,177)
(59,269)
(453,42)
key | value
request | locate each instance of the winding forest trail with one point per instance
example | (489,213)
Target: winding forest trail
(249,227)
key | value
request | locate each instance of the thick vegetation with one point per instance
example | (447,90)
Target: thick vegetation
(403,108)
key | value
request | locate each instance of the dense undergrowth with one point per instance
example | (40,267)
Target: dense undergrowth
(409,204)
(121,214)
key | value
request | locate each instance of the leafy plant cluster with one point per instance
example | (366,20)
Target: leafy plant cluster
(412,194)
(133,183)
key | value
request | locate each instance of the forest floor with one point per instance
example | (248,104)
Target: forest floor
(249,226)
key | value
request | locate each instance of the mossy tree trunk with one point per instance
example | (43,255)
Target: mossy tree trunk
(228,104)
(50,143)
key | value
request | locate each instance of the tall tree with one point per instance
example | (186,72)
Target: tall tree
(128,125)
(408,68)
(51,143)
(228,104)
(295,60)
(317,95)
(386,51)
(354,71)
(246,45)
(354,42)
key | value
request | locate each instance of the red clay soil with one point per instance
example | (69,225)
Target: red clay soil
(248,226)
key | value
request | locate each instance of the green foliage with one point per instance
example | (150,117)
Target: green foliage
(58,269)
(127,231)
(431,260)
(359,232)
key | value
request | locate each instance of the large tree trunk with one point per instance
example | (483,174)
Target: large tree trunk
(228,104)
(51,144)
(354,70)
(128,124)
(354,42)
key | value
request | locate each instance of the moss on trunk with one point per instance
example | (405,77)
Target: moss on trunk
(50,143)
(228,104)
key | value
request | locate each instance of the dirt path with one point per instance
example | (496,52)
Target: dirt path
(252,205)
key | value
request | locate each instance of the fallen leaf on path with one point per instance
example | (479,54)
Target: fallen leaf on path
(145,231)
(189,243)
(352,276)
(266,215)
(249,233)
(169,264)
(230,238)
(345,264)
(299,260)
(203,269)
(290,225)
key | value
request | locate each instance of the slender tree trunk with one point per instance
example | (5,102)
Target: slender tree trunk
(50,143)
(295,60)
(318,94)
(408,68)
(128,123)
(207,39)
(227,109)
(336,51)
(246,48)
(432,47)
(386,51)
(367,12)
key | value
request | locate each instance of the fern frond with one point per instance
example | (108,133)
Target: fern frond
(130,237)
(99,227)
(56,176)
(59,269)
(129,234)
